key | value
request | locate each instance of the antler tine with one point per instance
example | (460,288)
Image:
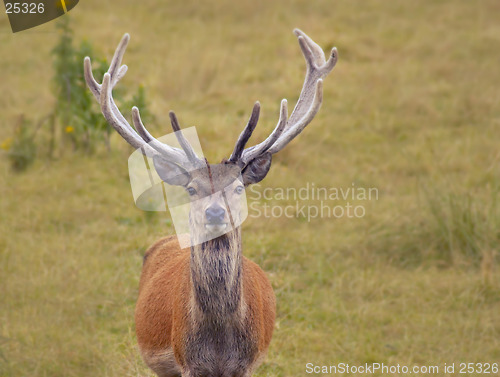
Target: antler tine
(114,69)
(117,58)
(298,127)
(309,101)
(252,152)
(317,68)
(107,110)
(103,93)
(245,135)
(96,88)
(93,85)
(112,114)
(317,51)
(169,153)
(182,140)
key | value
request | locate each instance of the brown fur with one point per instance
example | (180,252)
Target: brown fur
(164,312)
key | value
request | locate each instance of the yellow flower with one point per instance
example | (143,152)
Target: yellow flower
(6,144)
(69,129)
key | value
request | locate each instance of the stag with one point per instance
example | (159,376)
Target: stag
(206,310)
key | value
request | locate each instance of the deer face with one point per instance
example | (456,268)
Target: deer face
(216,191)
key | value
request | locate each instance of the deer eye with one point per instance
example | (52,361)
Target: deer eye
(239,189)
(191,191)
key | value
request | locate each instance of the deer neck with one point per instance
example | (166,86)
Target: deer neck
(216,269)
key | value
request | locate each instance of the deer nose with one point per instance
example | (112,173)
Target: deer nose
(215,214)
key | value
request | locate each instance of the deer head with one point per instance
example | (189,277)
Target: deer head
(215,189)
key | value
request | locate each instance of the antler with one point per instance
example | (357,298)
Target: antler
(307,106)
(140,139)
(245,135)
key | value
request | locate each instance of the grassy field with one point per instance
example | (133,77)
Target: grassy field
(412,109)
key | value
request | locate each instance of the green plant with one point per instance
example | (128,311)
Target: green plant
(464,225)
(81,124)
(449,228)
(21,147)
(458,222)
(76,111)
(76,115)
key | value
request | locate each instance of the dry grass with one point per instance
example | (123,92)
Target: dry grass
(412,109)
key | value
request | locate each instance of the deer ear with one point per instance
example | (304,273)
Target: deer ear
(170,172)
(257,169)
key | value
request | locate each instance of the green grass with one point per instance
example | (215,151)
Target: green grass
(412,108)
